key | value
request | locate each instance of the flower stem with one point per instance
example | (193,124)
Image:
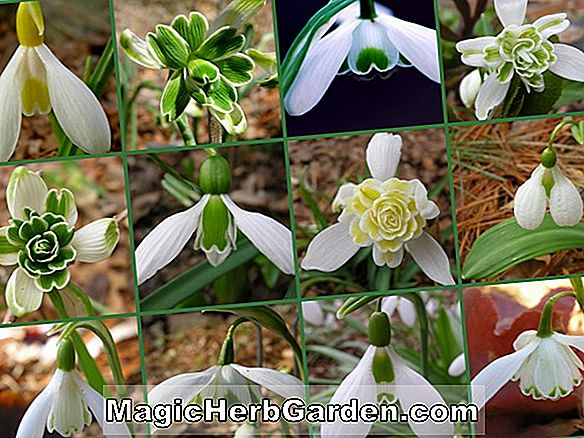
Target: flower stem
(83,298)
(545,328)
(578,287)
(367,10)
(423,322)
(182,123)
(556,131)
(227,355)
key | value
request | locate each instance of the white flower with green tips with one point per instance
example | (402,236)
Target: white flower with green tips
(548,185)
(42,242)
(526,51)
(36,82)
(385,213)
(546,367)
(215,219)
(360,46)
(205,66)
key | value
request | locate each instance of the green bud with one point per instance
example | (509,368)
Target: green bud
(66,355)
(548,158)
(379,330)
(215,175)
(382,367)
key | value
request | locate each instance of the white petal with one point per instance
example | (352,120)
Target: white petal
(22,294)
(427,208)
(565,201)
(570,63)
(371,35)
(496,374)
(411,388)
(312,313)
(9,253)
(184,386)
(572,341)
(34,421)
(457,366)
(69,413)
(96,241)
(492,93)
(530,201)
(344,193)
(389,259)
(96,403)
(511,11)
(11,108)
(389,304)
(330,249)
(417,43)
(137,50)
(270,237)
(383,154)
(358,385)
(431,258)
(216,256)
(472,50)
(470,87)
(407,312)
(25,189)
(76,108)
(318,70)
(552,24)
(283,384)
(167,240)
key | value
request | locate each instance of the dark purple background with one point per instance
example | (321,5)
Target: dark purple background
(353,104)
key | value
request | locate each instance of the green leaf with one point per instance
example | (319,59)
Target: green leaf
(507,244)
(89,366)
(578,132)
(223,43)
(195,279)
(447,342)
(542,103)
(299,47)
(192,29)
(353,304)
(175,97)
(169,47)
(572,92)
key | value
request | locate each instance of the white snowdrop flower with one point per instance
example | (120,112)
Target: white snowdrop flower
(547,368)
(216,220)
(458,366)
(384,212)
(404,308)
(381,376)
(470,87)
(36,82)
(547,186)
(523,50)
(363,45)
(313,313)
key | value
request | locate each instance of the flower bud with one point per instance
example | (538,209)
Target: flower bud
(30,26)
(470,87)
(215,175)
(548,158)
(379,330)
(66,355)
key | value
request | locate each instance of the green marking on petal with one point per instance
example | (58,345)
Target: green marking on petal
(237,69)
(202,72)
(169,46)
(371,56)
(56,280)
(192,29)
(61,203)
(223,95)
(223,43)
(175,97)
(64,233)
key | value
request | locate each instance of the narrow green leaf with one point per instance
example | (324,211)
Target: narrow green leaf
(507,244)
(195,279)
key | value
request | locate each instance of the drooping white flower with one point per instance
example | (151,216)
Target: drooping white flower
(470,87)
(547,368)
(233,382)
(66,406)
(313,313)
(534,195)
(364,45)
(36,82)
(407,388)
(458,366)
(42,241)
(523,50)
(404,307)
(385,212)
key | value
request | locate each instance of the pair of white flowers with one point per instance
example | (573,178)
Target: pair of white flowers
(360,46)
(525,51)
(36,82)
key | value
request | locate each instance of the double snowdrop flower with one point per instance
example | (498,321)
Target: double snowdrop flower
(521,50)
(547,368)
(547,185)
(42,242)
(66,405)
(216,220)
(360,45)
(383,212)
(35,82)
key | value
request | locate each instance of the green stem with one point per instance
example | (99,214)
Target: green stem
(227,355)
(556,131)
(423,322)
(83,298)
(378,305)
(367,9)
(185,130)
(545,328)
(578,287)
